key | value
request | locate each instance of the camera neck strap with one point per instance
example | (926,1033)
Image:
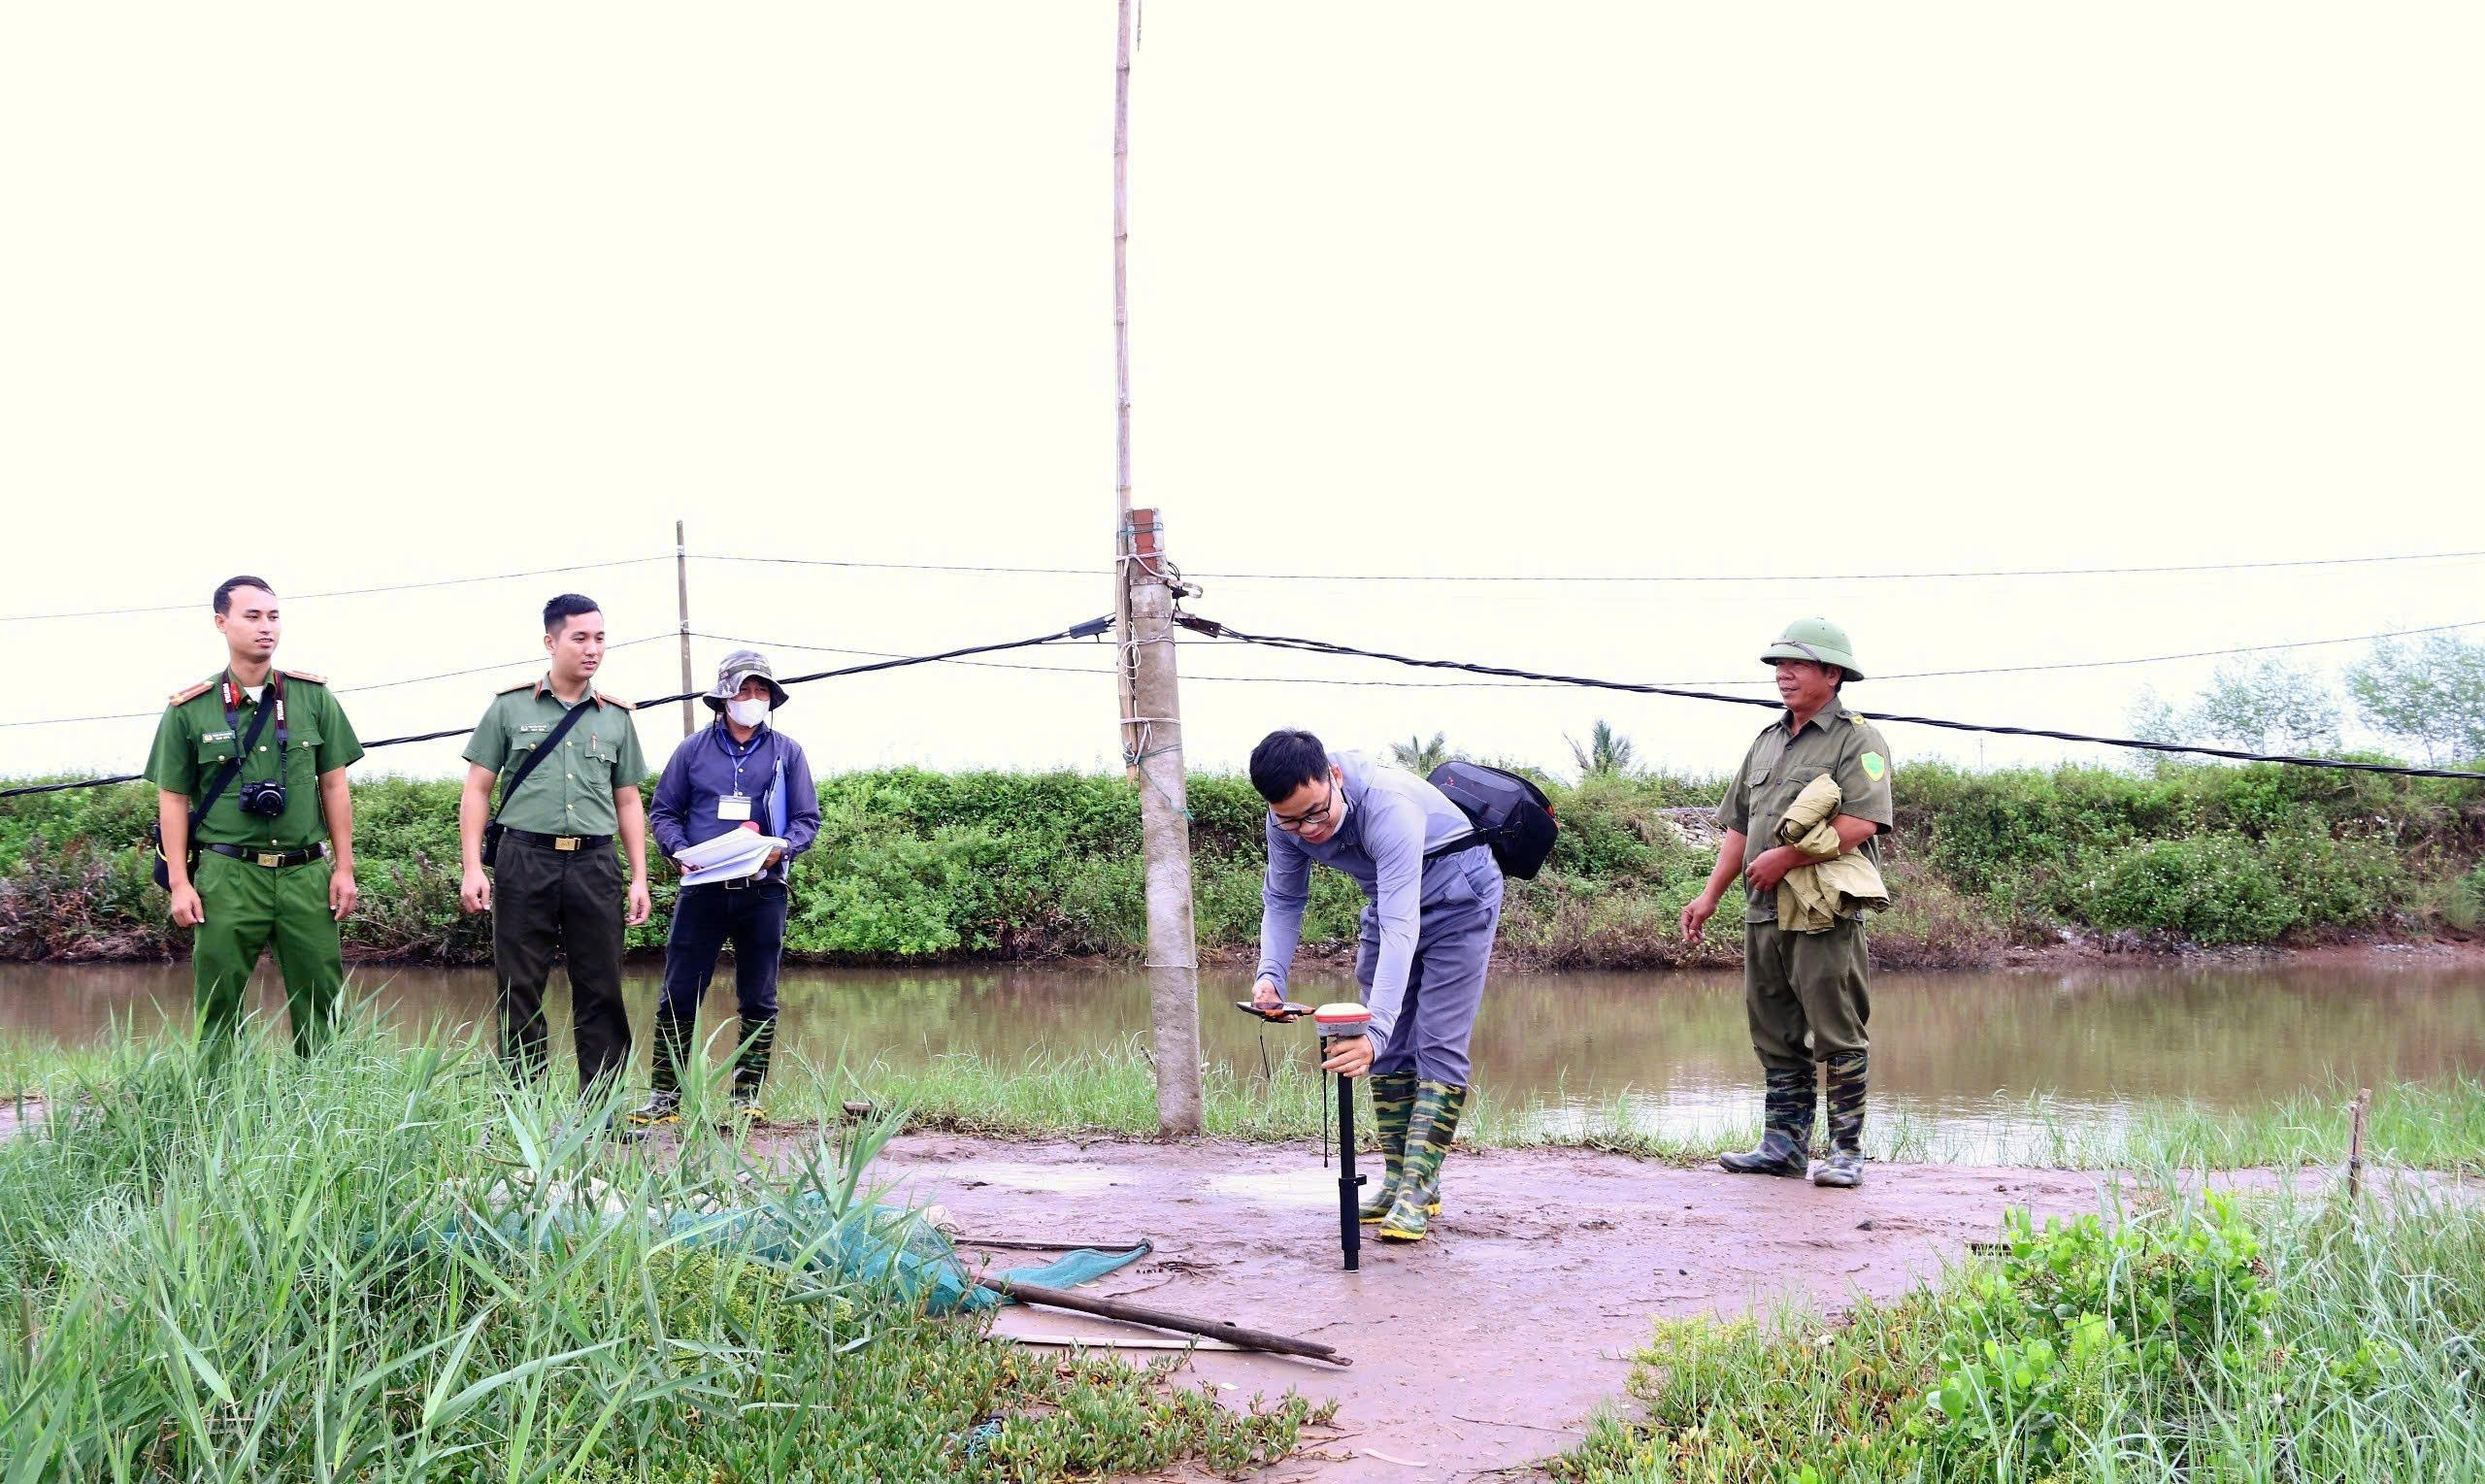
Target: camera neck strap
(242,747)
(273,697)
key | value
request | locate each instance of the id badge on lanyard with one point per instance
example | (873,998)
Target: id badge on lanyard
(733,808)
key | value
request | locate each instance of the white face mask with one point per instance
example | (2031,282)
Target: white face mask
(749,714)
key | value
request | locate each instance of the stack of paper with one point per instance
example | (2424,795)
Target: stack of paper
(729,857)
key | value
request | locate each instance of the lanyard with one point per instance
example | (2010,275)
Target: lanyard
(724,740)
(233,714)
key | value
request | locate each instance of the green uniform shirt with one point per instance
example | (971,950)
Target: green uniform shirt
(195,739)
(567,795)
(1782,761)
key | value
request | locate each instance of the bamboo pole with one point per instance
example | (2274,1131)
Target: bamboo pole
(1133,1313)
(681,586)
(1125,670)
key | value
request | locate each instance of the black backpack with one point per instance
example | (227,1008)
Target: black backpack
(1509,813)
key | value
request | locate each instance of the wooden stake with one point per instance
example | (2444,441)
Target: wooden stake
(1133,1313)
(2356,1142)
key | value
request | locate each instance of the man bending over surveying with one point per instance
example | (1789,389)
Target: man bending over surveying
(1427,935)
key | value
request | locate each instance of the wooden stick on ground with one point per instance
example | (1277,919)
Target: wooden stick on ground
(2356,1142)
(1133,1313)
(1112,1342)
(997,1244)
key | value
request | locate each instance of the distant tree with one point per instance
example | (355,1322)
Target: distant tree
(1420,757)
(1606,751)
(2271,706)
(2429,691)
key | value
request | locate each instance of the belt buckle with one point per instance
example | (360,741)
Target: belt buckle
(737,884)
(565,842)
(269,859)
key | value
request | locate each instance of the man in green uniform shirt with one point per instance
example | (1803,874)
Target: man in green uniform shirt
(265,873)
(556,885)
(1803,992)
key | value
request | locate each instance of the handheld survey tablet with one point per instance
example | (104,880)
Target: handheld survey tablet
(1285,1013)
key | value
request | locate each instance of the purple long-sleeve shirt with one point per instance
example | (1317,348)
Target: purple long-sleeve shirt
(1392,819)
(769,771)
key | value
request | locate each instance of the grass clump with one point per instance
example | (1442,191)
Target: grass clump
(2186,1338)
(247,1272)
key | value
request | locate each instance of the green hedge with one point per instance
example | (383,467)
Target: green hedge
(915,866)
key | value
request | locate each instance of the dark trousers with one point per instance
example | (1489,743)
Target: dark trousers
(705,918)
(569,903)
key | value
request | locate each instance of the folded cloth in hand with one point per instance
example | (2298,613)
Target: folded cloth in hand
(1839,883)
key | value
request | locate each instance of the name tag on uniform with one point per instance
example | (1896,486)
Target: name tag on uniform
(216,736)
(546,727)
(733,807)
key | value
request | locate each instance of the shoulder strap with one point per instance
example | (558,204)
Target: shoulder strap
(508,790)
(225,774)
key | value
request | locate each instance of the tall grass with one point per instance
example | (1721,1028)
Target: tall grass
(2182,1338)
(248,1273)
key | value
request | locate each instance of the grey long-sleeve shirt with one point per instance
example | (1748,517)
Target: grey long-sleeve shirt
(1392,819)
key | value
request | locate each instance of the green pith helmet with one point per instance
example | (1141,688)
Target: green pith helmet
(1817,639)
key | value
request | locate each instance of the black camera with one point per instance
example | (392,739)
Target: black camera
(265,799)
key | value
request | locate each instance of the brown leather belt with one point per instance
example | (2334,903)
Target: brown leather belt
(273,860)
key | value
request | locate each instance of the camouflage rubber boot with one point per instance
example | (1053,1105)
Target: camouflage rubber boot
(1393,1103)
(1429,1134)
(1843,1169)
(664,1073)
(1786,1131)
(751,1071)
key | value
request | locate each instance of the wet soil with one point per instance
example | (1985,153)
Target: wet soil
(1488,1345)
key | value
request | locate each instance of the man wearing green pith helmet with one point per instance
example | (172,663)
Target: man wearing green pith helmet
(1803,986)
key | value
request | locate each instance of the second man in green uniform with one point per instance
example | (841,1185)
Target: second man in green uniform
(557,885)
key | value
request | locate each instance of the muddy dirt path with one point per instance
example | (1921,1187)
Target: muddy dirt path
(1489,1345)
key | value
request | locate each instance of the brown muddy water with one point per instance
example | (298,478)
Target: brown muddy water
(1972,1058)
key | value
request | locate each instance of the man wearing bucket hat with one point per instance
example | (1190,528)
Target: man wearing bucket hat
(740,773)
(1803,992)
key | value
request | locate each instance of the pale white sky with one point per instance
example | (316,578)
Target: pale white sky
(348,296)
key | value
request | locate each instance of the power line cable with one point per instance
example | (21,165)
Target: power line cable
(1964,573)
(1879,679)
(343,690)
(1216,630)
(1090,629)
(343,592)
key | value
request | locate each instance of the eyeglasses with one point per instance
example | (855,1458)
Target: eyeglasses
(1318,814)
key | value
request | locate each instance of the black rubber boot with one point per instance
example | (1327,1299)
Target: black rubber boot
(751,1070)
(664,1073)
(1786,1137)
(1847,1074)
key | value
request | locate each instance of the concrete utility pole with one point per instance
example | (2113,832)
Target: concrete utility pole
(682,581)
(1152,745)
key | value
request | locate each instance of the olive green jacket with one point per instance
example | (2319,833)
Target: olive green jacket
(1839,882)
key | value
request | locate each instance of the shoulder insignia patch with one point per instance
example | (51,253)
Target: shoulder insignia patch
(1875,766)
(192,693)
(626,706)
(506,689)
(304,675)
